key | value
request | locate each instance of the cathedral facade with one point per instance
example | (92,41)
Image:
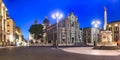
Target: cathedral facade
(68,31)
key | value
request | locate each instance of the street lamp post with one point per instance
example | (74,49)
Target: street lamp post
(96,24)
(57,16)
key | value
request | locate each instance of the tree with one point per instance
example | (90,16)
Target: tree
(37,30)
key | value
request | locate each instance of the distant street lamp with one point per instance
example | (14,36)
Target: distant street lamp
(95,24)
(57,16)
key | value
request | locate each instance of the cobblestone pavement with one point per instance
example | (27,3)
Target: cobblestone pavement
(49,53)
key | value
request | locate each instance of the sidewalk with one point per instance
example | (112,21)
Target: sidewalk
(2,47)
(9,46)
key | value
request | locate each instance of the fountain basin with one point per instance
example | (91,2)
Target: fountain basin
(107,47)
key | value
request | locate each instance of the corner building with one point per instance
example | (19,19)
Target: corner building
(10,31)
(114,27)
(3,30)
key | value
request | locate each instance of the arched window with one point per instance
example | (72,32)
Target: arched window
(8,24)
(72,39)
(72,24)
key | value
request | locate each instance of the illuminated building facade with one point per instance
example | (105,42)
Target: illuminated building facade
(18,36)
(45,24)
(68,31)
(3,18)
(114,27)
(10,31)
(7,27)
(89,35)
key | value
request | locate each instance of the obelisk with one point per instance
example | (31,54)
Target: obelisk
(105,17)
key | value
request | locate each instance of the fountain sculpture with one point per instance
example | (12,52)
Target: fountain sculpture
(106,41)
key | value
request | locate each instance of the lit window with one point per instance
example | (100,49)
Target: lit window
(63,35)
(109,25)
(8,31)
(8,24)
(72,23)
(116,25)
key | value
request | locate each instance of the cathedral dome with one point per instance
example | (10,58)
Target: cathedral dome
(35,22)
(46,20)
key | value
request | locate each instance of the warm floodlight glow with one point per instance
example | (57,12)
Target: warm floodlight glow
(116,25)
(109,25)
(30,37)
(11,38)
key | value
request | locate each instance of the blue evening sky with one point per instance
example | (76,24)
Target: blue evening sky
(24,12)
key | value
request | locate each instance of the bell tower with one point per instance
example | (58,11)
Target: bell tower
(45,24)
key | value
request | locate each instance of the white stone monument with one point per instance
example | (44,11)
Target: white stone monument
(106,36)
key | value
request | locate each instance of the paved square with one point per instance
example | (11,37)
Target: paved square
(49,53)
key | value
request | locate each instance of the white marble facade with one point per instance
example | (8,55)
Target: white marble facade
(68,31)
